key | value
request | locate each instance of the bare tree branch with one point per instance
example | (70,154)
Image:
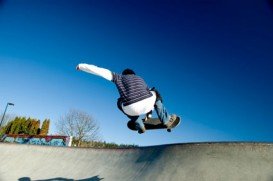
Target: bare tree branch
(78,124)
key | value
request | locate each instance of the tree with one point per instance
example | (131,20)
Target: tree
(80,125)
(45,127)
(34,127)
(30,126)
(14,125)
(7,118)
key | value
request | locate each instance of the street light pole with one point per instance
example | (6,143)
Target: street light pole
(8,104)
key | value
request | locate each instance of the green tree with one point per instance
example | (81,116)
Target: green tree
(7,118)
(34,127)
(14,126)
(45,127)
(6,129)
(23,125)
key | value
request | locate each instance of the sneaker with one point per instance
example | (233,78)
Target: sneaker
(148,115)
(141,130)
(171,120)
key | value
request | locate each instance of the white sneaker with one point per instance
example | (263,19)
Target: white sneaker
(171,120)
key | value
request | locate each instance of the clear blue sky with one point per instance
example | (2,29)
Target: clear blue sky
(211,60)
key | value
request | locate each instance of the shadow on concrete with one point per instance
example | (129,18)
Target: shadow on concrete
(95,178)
(149,156)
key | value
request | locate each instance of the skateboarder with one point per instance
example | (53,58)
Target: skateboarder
(135,96)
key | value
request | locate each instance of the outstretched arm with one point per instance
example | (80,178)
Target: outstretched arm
(93,69)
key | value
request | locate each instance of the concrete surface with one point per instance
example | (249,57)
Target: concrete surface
(189,162)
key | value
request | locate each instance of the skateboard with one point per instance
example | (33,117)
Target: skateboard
(154,123)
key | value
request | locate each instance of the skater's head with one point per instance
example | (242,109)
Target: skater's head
(128,72)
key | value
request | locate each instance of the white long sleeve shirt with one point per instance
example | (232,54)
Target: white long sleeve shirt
(137,99)
(93,69)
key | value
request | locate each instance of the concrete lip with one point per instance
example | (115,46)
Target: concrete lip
(186,161)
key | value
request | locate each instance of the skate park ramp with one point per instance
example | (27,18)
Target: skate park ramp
(189,162)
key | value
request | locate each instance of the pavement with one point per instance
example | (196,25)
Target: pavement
(188,161)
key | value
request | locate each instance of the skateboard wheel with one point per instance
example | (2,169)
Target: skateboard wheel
(169,130)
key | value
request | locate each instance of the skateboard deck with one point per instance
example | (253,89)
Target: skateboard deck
(154,123)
